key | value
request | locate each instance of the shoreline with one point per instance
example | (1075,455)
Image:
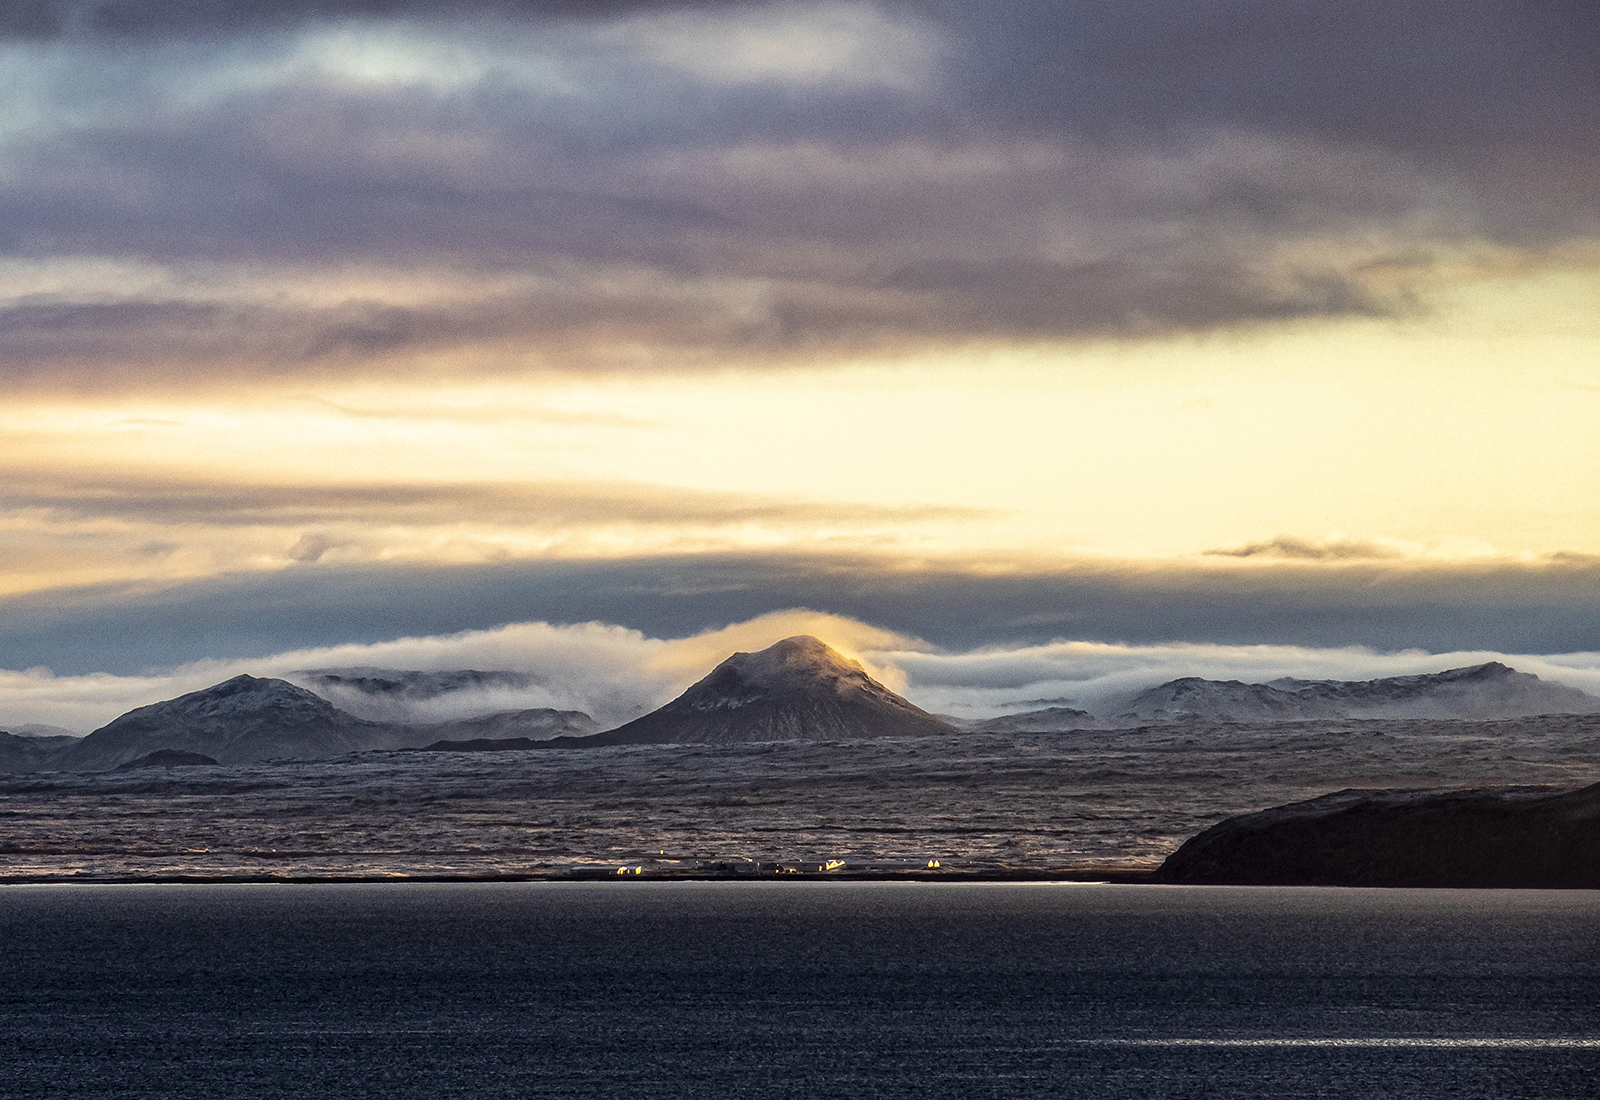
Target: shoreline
(1111,875)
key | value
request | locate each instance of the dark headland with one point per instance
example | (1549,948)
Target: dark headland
(1524,837)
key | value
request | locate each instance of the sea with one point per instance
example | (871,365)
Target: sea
(775,988)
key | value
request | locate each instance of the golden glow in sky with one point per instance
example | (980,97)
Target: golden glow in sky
(1461,434)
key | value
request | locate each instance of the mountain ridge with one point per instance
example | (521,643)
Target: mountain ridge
(1485,691)
(797,688)
(248,719)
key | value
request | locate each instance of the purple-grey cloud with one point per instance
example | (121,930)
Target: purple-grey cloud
(998,171)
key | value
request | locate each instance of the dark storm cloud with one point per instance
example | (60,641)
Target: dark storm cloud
(986,171)
(1550,608)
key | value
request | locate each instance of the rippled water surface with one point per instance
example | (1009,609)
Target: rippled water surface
(796,989)
(990,801)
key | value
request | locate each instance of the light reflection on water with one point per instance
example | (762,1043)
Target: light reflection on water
(806,990)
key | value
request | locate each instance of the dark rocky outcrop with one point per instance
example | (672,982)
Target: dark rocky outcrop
(167,758)
(796,689)
(484,744)
(1484,837)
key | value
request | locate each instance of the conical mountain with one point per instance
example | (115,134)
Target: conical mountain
(239,721)
(797,689)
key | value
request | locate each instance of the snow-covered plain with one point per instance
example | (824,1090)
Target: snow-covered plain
(972,801)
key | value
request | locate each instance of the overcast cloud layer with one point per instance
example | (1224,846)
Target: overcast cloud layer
(1386,606)
(200,187)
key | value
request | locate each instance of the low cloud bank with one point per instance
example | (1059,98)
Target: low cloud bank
(1093,675)
(616,673)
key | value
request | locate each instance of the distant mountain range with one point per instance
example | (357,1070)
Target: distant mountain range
(1490,690)
(1048,720)
(798,688)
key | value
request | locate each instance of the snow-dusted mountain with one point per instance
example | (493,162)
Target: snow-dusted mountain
(1485,691)
(249,719)
(1490,690)
(239,721)
(1037,721)
(796,689)
(540,723)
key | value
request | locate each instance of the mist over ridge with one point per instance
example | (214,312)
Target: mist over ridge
(797,689)
(616,675)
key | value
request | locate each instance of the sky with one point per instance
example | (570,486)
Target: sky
(1239,334)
